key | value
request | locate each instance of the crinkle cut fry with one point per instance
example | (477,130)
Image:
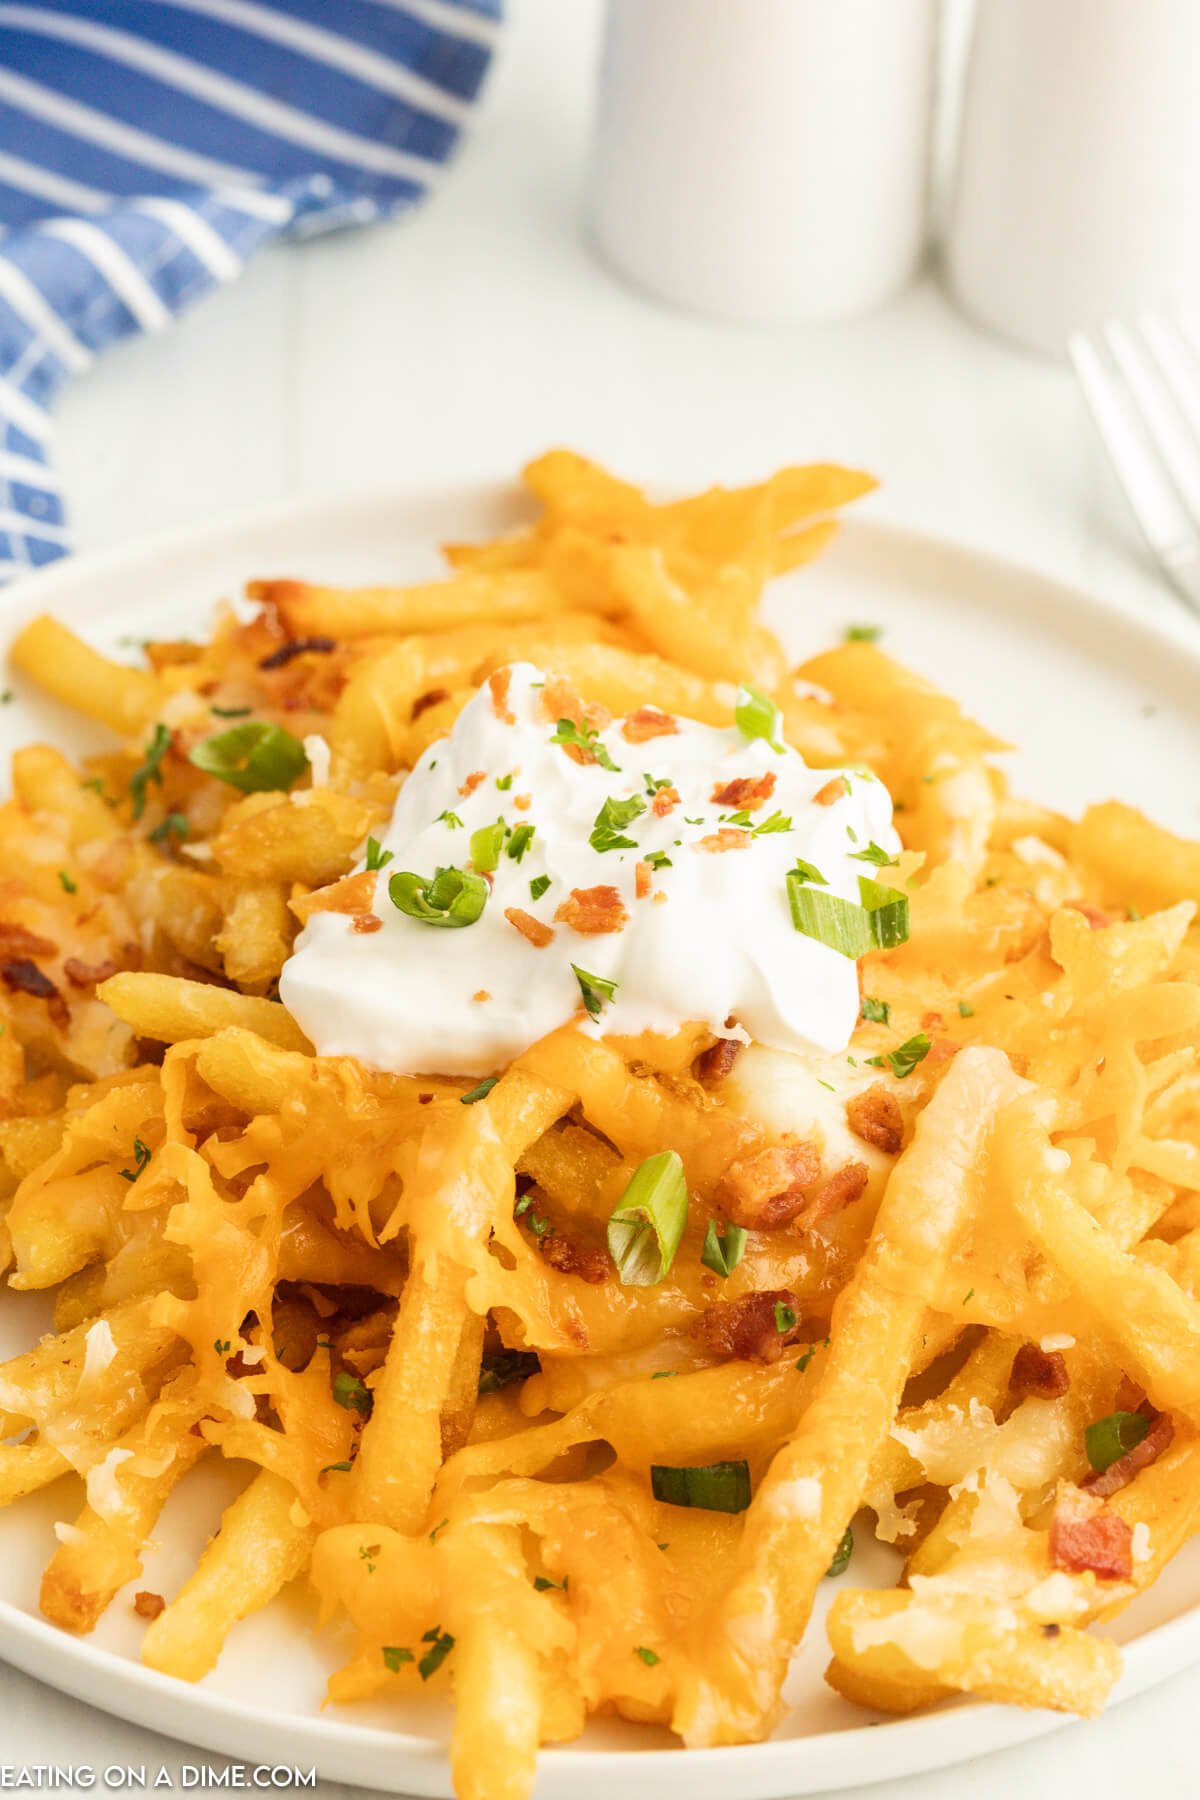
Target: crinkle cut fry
(730,1688)
(464,1175)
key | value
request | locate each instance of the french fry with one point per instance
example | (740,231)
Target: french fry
(123,698)
(263,1542)
(171,1009)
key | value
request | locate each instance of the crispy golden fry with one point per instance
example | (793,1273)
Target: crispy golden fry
(73,672)
(170,1009)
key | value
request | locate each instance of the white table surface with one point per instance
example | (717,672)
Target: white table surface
(467,338)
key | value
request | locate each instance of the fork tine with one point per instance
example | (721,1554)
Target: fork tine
(1165,524)
(1178,357)
(1161,407)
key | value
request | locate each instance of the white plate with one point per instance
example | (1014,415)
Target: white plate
(1099,704)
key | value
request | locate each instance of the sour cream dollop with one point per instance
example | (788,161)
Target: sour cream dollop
(707,933)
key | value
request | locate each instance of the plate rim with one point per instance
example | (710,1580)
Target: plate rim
(341,1749)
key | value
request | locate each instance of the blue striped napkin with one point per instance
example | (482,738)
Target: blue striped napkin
(149,147)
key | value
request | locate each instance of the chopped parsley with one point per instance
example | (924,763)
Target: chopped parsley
(141,1156)
(843,1553)
(377,856)
(658,859)
(395,1656)
(175,825)
(965,1010)
(504,782)
(350,1392)
(649,1657)
(757,716)
(595,989)
(785,1317)
(150,769)
(67,882)
(882,859)
(502,1367)
(877,1011)
(863,634)
(585,738)
(449,819)
(543,1584)
(519,841)
(481,1092)
(337,1468)
(807,872)
(904,1059)
(440,1645)
(614,815)
(723,1251)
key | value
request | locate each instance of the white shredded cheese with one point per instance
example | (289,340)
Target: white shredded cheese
(99,1350)
(1057,1161)
(320,757)
(1056,1340)
(103,1488)
(797,1499)
(1140,1546)
(67,1534)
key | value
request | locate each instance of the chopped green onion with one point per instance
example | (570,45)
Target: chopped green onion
(486,845)
(758,716)
(863,634)
(889,912)
(67,882)
(645,1231)
(481,1092)
(802,1362)
(141,1156)
(777,822)
(449,819)
(883,859)
(538,886)
(504,782)
(377,856)
(338,1468)
(255,757)
(535,1221)
(440,1645)
(502,1367)
(453,898)
(231,712)
(785,1317)
(655,782)
(877,1011)
(351,1393)
(613,816)
(838,924)
(1113,1437)
(724,1251)
(543,1584)
(716,1487)
(658,859)
(649,1657)
(595,990)
(843,1553)
(663,1374)
(175,824)
(150,769)
(519,842)
(395,1656)
(587,739)
(965,1010)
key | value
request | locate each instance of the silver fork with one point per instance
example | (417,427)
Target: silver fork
(1142,384)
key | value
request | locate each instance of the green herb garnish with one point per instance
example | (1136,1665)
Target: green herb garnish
(645,1230)
(254,758)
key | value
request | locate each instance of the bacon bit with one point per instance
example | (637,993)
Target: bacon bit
(366,923)
(730,837)
(1129,1396)
(481,995)
(424,1099)
(24,977)
(1120,1473)
(570,1259)
(1040,1374)
(306,646)
(1085,1535)
(85,975)
(941,1050)
(766,1190)
(831,793)
(932,1021)
(714,1064)
(660,899)
(18,940)
(147,1605)
(1095,916)
(432,697)
(643,880)
(539,935)
(500,683)
(350,894)
(664,802)
(646,723)
(843,1188)
(747,792)
(472,782)
(875,1117)
(746,1329)
(594,911)
(522,802)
